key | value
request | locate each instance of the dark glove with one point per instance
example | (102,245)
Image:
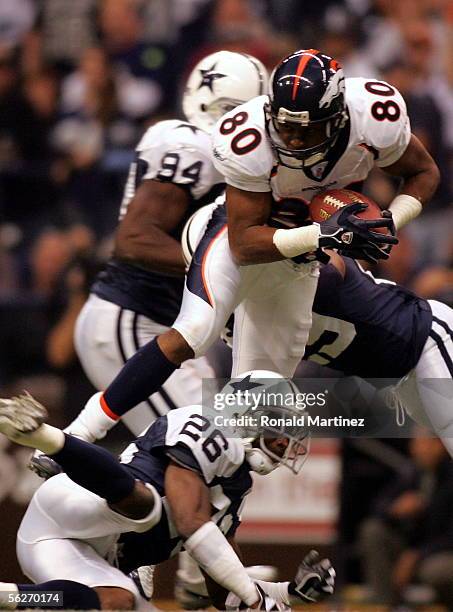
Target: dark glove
(345,231)
(315,579)
(371,251)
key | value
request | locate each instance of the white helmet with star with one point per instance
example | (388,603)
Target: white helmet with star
(266,408)
(220,82)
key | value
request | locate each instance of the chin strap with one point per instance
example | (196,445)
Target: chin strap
(260,463)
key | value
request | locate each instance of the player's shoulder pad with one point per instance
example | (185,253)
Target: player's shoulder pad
(173,134)
(215,455)
(241,147)
(378,116)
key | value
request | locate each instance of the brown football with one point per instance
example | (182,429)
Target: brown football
(325,204)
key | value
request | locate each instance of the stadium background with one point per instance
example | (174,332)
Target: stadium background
(79,82)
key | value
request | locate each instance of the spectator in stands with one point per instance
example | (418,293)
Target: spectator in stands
(97,139)
(409,537)
(121,27)
(63,31)
(16,19)
(341,39)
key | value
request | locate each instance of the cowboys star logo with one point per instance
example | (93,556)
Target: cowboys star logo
(209,76)
(245,384)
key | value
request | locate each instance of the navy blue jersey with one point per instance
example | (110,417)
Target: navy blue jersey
(366,327)
(170,151)
(186,437)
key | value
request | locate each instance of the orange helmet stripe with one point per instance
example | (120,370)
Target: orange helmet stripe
(300,69)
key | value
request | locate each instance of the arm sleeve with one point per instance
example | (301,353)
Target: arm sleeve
(249,166)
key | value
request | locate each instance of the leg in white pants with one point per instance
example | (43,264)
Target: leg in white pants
(427,392)
(273,322)
(272,304)
(107,335)
(67,532)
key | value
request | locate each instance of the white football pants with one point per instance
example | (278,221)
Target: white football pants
(272,305)
(69,533)
(427,391)
(106,336)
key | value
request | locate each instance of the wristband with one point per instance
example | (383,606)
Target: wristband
(294,242)
(404,208)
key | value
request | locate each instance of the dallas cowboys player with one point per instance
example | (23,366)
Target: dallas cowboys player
(373,328)
(245,267)
(182,483)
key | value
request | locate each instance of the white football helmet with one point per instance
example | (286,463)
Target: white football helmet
(270,409)
(195,228)
(220,82)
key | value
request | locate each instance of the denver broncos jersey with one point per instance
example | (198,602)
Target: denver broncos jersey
(170,151)
(188,438)
(377,132)
(365,326)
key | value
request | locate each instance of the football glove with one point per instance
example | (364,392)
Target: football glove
(315,579)
(372,252)
(233,603)
(345,231)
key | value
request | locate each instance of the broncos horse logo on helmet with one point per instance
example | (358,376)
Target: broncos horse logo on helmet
(306,109)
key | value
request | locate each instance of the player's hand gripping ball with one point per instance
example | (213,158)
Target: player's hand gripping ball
(326,204)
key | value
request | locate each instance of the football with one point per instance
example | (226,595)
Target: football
(325,204)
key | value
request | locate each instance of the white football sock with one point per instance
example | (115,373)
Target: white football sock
(92,423)
(46,438)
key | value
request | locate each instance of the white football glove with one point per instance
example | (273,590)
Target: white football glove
(315,579)
(233,603)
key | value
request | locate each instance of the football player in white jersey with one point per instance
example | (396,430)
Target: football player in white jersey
(308,134)
(181,484)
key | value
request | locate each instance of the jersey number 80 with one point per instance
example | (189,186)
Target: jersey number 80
(245,141)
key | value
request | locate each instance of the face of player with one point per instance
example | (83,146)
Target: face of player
(277,445)
(296,136)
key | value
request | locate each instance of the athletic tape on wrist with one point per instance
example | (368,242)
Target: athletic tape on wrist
(296,241)
(212,551)
(404,208)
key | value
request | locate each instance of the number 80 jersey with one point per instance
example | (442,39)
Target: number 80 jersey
(377,132)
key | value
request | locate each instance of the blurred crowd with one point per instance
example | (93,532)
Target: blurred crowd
(81,80)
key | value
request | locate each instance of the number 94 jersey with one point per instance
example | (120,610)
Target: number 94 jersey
(377,132)
(177,152)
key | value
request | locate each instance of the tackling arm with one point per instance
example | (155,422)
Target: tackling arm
(143,236)
(189,501)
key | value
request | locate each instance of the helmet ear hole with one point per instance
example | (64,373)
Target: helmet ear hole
(203,107)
